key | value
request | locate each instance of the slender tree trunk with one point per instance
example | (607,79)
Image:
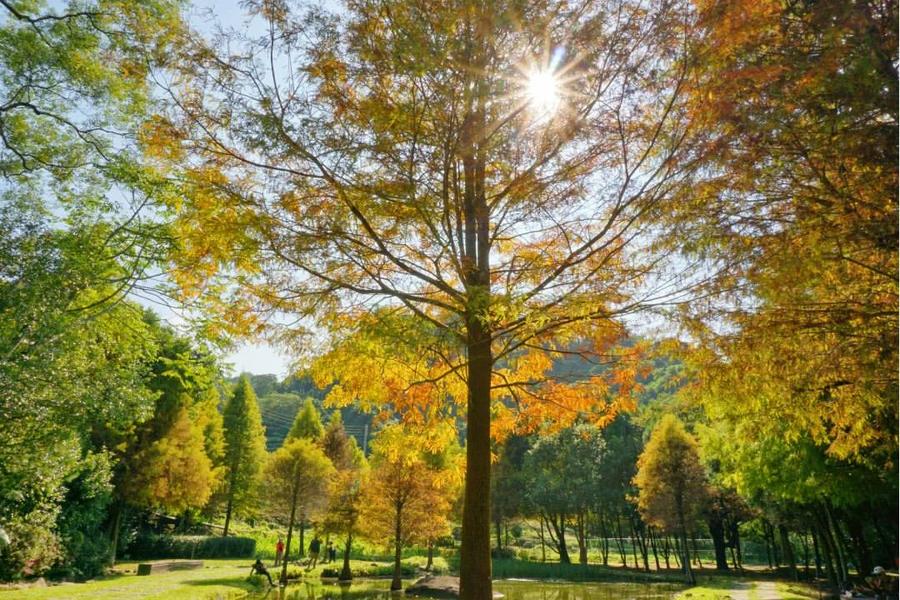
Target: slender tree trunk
(619,542)
(430,563)
(696,550)
(346,573)
(287,546)
(666,551)
(805,541)
(652,537)
(685,553)
(582,541)
(787,551)
(559,526)
(634,549)
(604,542)
(827,554)
(838,546)
(816,555)
(119,508)
(397,582)
(543,546)
(497,531)
(228,507)
(302,552)
(677,553)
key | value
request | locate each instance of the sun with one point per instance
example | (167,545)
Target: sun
(543,92)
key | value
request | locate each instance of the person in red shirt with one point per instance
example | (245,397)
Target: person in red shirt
(279,552)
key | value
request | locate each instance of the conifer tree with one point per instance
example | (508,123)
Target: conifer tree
(245,450)
(307,424)
(671,483)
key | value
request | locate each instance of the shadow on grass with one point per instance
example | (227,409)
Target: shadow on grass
(235,582)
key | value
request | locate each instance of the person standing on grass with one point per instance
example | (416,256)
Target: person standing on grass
(314,546)
(279,552)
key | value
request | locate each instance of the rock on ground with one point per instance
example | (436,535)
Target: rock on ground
(442,586)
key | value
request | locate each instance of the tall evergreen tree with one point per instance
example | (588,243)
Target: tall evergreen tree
(245,450)
(672,483)
(307,424)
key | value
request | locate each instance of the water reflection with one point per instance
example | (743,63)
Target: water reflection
(512,590)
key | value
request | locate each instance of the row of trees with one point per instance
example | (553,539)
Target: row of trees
(648,478)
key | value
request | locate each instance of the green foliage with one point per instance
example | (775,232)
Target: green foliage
(307,424)
(191,546)
(278,411)
(563,470)
(245,448)
(670,479)
(296,481)
(172,473)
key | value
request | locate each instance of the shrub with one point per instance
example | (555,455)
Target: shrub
(191,546)
(503,553)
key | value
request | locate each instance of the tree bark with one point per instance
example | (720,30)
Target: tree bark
(787,551)
(290,533)
(685,553)
(430,563)
(397,582)
(116,527)
(582,541)
(543,546)
(717,533)
(346,573)
(475,551)
(652,537)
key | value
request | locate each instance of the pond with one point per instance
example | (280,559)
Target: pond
(511,589)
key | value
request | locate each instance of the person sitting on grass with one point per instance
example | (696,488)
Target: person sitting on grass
(260,569)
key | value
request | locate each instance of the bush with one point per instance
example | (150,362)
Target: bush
(191,546)
(503,553)
(372,570)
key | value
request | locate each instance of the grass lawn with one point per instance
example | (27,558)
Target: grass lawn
(217,578)
(727,588)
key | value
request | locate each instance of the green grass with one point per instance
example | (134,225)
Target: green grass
(724,588)
(217,577)
(506,569)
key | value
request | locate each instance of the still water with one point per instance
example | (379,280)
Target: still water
(512,590)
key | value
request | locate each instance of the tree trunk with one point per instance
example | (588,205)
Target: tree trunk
(396,582)
(816,555)
(228,507)
(558,524)
(302,552)
(497,531)
(119,507)
(634,549)
(543,546)
(823,536)
(666,551)
(685,553)
(652,537)
(717,533)
(787,550)
(430,563)
(475,550)
(838,546)
(346,573)
(696,549)
(582,541)
(290,533)
(619,542)
(604,542)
